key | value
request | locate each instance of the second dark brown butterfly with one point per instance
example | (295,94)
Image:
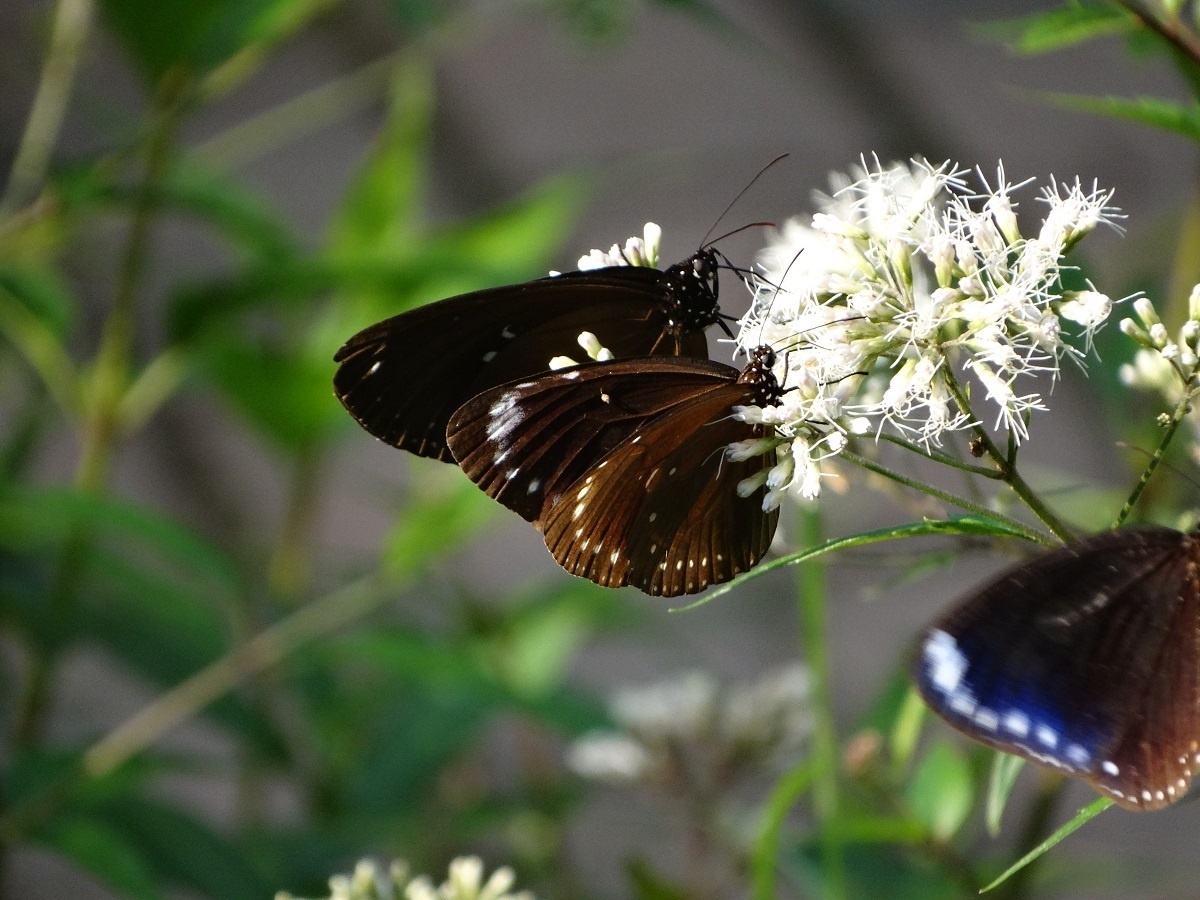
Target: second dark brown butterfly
(623,466)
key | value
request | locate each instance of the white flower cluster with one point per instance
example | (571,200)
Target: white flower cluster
(690,714)
(1168,367)
(1162,364)
(591,346)
(903,272)
(464,882)
(641,251)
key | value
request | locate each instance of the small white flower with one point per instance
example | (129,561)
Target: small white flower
(591,345)
(641,251)
(464,882)
(614,758)
(682,707)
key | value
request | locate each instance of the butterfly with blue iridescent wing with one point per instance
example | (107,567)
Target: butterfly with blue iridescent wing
(1085,659)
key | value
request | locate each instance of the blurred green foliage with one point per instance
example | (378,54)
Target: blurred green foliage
(339,688)
(333,685)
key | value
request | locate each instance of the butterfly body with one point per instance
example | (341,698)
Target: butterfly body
(1086,659)
(623,467)
(402,378)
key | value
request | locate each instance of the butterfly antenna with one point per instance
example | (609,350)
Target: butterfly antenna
(778,288)
(741,193)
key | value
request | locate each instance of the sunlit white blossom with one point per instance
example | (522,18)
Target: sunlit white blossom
(682,706)
(904,279)
(610,757)
(641,251)
(464,882)
(691,726)
(1165,366)
(591,346)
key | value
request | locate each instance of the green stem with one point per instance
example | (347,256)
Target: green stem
(262,651)
(810,582)
(110,380)
(71,20)
(943,458)
(1006,464)
(1182,408)
(1038,822)
(290,566)
(947,497)
(764,861)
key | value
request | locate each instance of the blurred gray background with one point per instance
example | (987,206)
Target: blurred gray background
(672,121)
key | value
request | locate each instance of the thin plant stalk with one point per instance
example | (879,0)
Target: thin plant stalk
(1005,463)
(68,34)
(110,377)
(811,585)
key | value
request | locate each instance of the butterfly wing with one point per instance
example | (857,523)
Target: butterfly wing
(662,511)
(622,465)
(1085,659)
(526,443)
(402,378)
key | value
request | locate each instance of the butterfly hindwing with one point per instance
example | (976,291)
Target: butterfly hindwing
(623,466)
(1086,659)
(403,378)
(526,443)
(662,511)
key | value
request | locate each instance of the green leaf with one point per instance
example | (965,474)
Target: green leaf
(1080,819)
(649,885)
(878,871)
(967,524)
(940,792)
(1166,115)
(245,220)
(42,293)
(381,210)
(283,391)
(196,311)
(199,35)
(907,729)
(538,641)
(27,320)
(784,795)
(1059,28)
(102,850)
(417,15)
(41,517)
(1003,776)
(443,512)
(183,852)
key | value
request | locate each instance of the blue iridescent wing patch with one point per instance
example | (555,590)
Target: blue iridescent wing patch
(1085,659)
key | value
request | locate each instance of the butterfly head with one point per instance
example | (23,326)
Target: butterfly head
(693,286)
(760,372)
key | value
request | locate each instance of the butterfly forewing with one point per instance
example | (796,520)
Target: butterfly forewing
(1086,659)
(403,378)
(623,466)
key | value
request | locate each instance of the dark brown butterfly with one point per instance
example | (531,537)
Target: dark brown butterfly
(623,467)
(402,378)
(1086,659)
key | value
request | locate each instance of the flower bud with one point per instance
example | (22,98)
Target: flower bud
(1146,312)
(1133,330)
